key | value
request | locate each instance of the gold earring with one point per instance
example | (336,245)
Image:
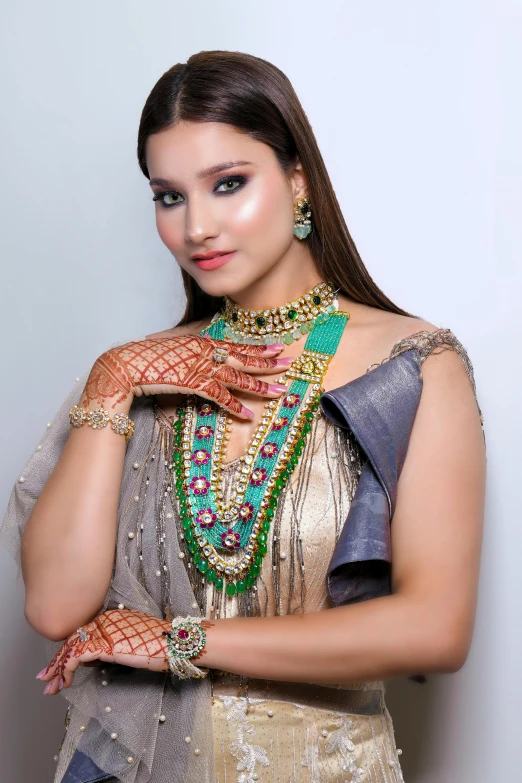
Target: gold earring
(302,215)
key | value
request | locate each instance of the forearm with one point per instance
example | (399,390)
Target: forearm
(386,637)
(69,540)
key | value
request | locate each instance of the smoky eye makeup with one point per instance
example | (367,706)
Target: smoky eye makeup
(239,180)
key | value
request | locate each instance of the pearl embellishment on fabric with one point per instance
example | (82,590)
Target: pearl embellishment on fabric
(121,606)
(162,718)
(399,751)
(21,479)
(324,733)
(114,735)
(131,534)
(136,498)
(130,759)
(181,555)
(188,739)
(82,728)
(270,713)
(55,758)
(76,379)
(197,751)
(104,682)
(136,465)
(194,605)
(108,709)
(158,573)
(49,424)
(169,515)
(39,447)
(283,555)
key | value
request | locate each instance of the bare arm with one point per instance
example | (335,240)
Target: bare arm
(426,625)
(68,543)
(69,540)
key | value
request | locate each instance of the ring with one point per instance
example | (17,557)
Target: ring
(83,634)
(220,355)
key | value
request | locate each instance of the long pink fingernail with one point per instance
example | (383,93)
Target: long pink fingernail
(285,361)
(40,673)
(277,387)
(247,412)
(60,683)
(47,687)
(275,347)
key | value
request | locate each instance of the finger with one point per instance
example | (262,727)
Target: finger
(77,657)
(209,344)
(253,350)
(237,379)
(55,665)
(213,389)
(259,362)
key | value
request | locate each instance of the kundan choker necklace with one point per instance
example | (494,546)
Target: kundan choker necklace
(228,541)
(286,323)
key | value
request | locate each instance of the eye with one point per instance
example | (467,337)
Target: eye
(159,197)
(236,181)
(239,180)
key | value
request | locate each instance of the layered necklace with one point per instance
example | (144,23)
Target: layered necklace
(286,323)
(228,541)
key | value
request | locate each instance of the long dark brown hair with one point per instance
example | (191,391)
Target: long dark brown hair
(257,98)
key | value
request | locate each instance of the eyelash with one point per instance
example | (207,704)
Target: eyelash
(242,180)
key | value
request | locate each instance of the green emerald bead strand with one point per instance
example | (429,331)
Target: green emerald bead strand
(289,440)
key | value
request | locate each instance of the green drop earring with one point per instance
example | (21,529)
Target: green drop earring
(302,215)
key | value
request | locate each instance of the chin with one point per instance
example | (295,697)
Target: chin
(225,285)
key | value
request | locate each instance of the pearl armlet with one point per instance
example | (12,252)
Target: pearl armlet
(99,417)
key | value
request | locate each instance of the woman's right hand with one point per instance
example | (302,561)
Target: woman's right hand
(181,364)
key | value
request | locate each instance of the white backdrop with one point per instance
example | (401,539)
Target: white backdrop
(417,112)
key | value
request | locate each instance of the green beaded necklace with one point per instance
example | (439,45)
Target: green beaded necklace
(211,528)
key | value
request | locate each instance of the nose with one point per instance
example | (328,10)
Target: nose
(200,220)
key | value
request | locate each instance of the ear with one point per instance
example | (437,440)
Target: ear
(298,180)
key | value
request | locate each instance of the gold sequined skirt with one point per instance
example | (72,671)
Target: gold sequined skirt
(284,732)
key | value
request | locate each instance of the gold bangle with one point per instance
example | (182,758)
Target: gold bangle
(99,418)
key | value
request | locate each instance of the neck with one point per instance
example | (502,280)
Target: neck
(279,285)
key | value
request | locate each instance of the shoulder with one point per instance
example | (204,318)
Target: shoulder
(379,336)
(176,331)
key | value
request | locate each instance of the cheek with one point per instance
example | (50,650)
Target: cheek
(170,232)
(264,214)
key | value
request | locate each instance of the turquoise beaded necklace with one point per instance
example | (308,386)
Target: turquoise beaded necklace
(211,528)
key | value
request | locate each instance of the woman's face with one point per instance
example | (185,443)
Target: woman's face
(245,207)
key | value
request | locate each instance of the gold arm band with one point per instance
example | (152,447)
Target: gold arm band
(99,417)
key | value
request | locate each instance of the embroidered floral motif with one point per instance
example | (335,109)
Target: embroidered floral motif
(341,741)
(247,753)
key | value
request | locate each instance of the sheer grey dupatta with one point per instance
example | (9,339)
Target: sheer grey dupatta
(145,749)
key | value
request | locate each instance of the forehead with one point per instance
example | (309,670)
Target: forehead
(191,147)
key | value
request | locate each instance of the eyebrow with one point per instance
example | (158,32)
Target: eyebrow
(230,164)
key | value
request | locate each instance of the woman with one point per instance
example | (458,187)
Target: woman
(224,489)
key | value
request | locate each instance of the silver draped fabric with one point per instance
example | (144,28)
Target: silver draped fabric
(150,575)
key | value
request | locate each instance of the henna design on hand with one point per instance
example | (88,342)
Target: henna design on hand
(116,636)
(184,362)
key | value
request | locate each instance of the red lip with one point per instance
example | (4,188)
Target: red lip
(210,254)
(213,261)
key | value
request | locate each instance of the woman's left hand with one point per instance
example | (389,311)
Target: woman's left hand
(115,636)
